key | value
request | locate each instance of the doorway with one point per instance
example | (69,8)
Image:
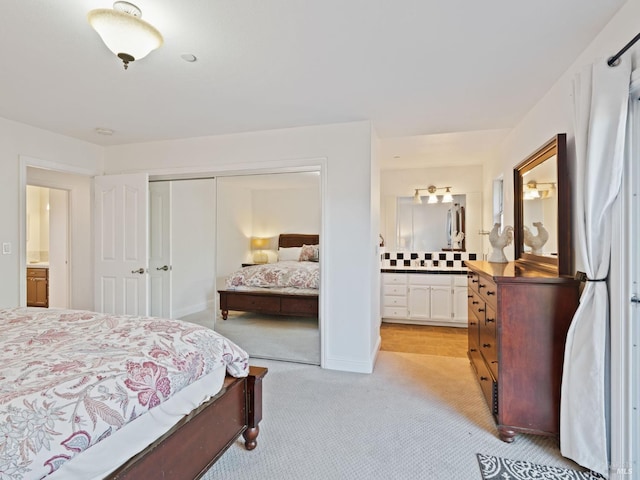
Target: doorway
(47,246)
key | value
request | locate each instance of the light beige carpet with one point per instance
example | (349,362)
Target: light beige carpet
(415,417)
(273,337)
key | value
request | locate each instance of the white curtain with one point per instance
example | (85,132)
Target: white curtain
(601,95)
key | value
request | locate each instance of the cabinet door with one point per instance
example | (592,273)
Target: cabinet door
(441,303)
(419,302)
(460,303)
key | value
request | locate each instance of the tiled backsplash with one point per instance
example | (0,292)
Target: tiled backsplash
(452,260)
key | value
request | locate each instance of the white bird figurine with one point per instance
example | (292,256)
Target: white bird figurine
(457,239)
(536,242)
(498,242)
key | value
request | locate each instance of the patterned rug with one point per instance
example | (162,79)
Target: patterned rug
(504,469)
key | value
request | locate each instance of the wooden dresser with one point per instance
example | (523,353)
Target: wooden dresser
(518,321)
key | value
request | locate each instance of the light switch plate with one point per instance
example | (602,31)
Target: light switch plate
(6,248)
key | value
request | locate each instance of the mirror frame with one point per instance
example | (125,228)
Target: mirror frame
(563,264)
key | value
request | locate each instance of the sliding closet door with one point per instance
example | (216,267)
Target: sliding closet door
(121,243)
(160,267)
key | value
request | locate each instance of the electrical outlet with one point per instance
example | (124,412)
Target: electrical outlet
(6,248)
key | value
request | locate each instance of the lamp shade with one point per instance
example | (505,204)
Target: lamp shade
(447,197)
(125,33)
(258,243)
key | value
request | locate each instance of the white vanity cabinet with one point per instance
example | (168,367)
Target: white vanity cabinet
(429,299)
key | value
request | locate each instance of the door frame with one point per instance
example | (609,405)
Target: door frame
(26,161)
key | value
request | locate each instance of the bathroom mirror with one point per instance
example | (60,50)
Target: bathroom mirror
(542,210)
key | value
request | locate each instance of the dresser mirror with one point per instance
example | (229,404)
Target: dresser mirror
(542,220)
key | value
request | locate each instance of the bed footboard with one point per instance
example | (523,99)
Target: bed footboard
(269,303)
(198,440)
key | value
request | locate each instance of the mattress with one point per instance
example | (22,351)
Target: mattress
(287,274)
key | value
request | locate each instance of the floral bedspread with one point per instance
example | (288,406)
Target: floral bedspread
(71,378)
(277,275)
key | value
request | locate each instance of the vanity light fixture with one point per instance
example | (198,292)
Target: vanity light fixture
(124,32)
(533,190)
(433,198)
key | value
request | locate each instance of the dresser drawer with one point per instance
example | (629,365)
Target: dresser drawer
(399,290)
(395,301)
(395,312)
(488,291)
(487,382)
(477,306)
(472,281)
(394,279)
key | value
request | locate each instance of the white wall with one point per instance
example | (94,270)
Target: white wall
(193,251)
(343,152)
(464,180)
(20,141)
(233,228)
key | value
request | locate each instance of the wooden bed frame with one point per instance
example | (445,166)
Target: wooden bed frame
(198,440)
(273,303)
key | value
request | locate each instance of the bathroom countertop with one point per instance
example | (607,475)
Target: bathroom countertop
(427,270)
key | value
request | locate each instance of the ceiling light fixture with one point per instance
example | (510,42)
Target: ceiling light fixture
(124,32)
(433,198)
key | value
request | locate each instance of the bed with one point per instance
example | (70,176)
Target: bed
(290,300)
(85,395)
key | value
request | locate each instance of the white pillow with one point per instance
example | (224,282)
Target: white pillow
(288,254)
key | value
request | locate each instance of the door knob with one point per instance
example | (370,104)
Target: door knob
(140,271)
(164,267)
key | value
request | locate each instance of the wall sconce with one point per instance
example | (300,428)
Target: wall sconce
(124,32)
(258,245)
(433,198)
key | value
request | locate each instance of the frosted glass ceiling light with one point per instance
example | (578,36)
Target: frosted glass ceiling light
(124,32)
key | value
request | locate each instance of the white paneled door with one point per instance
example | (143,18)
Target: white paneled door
(160,249)
(121,243)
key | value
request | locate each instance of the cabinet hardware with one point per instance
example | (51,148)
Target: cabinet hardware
(140,271)
(486,345)
(475,303)
(474,281)
(472,323)
(484,379)
(481,309)
(491,320)
(489,292)
(473,350)
(469,296)
(480,285)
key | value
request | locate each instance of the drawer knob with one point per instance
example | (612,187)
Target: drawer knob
(481,309)
(469,296)
(491,320)
(473,350)
(474,281)
(475,303)
(486,345)
(480,285)
(489,292)
(472,323)
(484,379)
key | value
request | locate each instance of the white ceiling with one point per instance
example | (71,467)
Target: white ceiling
(442,81)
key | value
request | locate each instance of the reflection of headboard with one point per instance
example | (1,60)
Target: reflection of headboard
(287,240)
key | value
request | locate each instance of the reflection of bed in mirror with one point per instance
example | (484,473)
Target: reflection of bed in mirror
(298,296)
